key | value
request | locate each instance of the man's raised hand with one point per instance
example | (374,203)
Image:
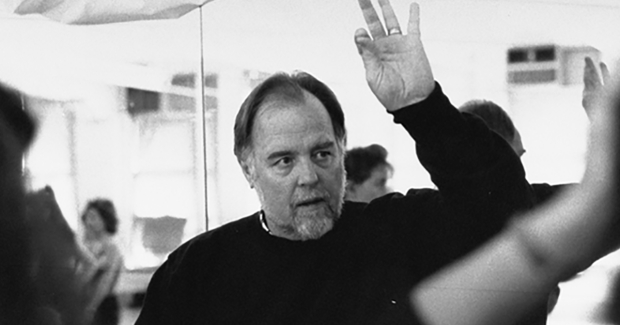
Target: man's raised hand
(397,69)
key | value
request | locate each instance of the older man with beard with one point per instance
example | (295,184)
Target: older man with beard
(307,257)
(290,151)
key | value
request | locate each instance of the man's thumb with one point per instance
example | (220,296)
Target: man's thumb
(362,41)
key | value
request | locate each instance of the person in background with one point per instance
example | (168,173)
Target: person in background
(39,273)
(103,261)
(18,298)
(367,173)
(57,259)
(498,120)
(511,273)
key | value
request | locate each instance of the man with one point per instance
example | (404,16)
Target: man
(500,122)
(541,247)
(497,120)
(308,257)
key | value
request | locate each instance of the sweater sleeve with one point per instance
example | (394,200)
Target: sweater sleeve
(476,171)
(544,192)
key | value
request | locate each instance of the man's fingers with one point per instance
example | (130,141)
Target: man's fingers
(365,48)
(362,39)
(413,27)
(605,73)
(391,22)
(372,19)
(591,78)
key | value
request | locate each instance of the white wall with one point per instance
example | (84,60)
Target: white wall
(466,42)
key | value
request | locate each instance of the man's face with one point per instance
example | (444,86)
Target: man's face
(297,168)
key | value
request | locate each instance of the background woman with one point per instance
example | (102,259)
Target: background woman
(104,261)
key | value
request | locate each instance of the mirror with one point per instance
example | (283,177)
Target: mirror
(468,43)
(119,115)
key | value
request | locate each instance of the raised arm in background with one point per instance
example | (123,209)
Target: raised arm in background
(540,248)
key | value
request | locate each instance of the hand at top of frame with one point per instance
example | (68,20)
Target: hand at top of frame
(397,69)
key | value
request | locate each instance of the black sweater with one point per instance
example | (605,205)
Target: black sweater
(362,271)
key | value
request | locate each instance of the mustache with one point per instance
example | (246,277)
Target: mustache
(311,198)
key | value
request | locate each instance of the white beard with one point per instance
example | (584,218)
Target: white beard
(308,225)
(315,224)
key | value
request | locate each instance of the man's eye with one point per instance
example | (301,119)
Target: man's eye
(323,154)
(284,161)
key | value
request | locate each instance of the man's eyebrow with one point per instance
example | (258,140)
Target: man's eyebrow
(278,154)
(319,146)
(324,145)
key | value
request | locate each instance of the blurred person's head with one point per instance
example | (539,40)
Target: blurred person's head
(99,217)
(289,140)
(37,286)
(17,290)
(367,173)
(497,120)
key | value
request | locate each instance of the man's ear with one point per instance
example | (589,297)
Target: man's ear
(247,167)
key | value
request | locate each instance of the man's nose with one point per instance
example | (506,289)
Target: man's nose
(307,174)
